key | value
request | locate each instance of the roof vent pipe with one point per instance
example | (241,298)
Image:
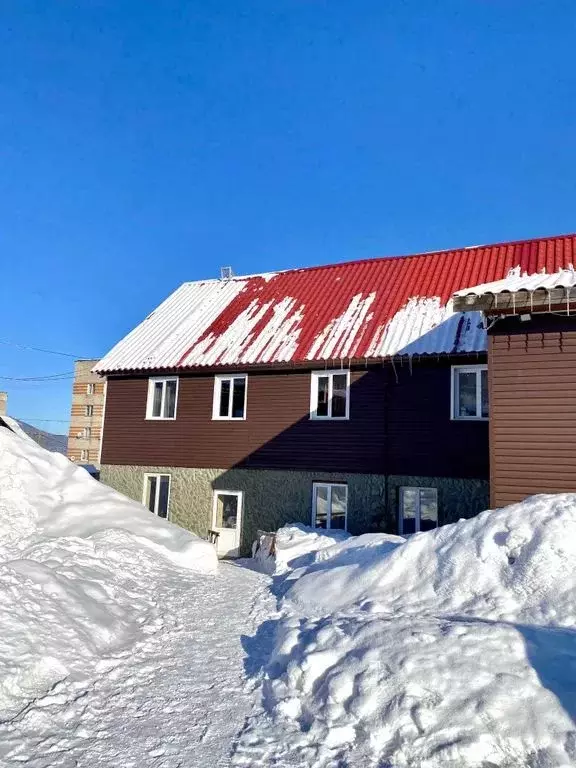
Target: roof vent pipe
(226,273)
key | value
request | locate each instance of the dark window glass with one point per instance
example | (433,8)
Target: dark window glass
(322,404)
(484,384)
(321,520)
(170,400)
(428,509)
(162,509)
(226,510)
(157,401)
(224,397)
(339,395)
(152,494)
(238,395)
(338,507)
(467,393)
(409,503)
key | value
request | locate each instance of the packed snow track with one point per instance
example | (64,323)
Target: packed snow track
(178,699)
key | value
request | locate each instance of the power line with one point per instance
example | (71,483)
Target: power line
(49,377)
(28,419)
(40,349)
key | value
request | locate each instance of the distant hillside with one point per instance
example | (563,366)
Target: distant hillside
(51,442)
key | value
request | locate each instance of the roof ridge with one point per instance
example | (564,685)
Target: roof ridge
(405,256)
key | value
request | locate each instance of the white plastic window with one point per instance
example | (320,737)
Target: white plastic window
(230,395)
(330,506)
(470,392)
(162,398)
(157,494)
(330,395)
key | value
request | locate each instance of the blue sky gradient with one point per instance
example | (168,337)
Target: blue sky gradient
(145,144)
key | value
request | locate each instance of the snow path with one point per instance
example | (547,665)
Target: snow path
(179,699)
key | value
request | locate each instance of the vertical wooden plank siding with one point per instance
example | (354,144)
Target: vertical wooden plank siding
(532,382)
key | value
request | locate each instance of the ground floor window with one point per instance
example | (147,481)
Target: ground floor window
(227,508)
(330,505)
(418,510)
(157,494)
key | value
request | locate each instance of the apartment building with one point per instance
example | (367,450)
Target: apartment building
(85,435)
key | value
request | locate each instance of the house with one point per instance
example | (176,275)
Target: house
(346,396)
(532,381)
(86,416)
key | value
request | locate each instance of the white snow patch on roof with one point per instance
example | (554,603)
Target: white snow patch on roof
(341,337)
(517,281)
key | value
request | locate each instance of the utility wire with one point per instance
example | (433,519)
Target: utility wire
(28,420)
(39,349)
(50,377)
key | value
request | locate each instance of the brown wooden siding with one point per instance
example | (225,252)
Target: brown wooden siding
(278,433)
(422,438)
(532,379)
(399,427)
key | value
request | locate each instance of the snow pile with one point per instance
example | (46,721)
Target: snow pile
(293,546)
(78,567)
(456,648)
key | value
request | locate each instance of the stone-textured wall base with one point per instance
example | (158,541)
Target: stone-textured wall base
(273,498)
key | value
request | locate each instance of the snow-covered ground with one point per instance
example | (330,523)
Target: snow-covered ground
(123,644)
(120,643)
(454,648)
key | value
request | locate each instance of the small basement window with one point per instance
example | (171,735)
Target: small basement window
(330,395)
(418,510)
(230,394)
(157,494)
(330,505)
(469,392)
(162,397)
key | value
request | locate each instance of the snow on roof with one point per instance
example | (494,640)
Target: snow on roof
(364,309)
(516,281)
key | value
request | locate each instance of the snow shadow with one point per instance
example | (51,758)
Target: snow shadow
(258,647)
(552,654)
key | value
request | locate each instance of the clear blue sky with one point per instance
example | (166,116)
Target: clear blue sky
(143,144)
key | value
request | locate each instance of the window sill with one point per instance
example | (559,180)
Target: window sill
(160,418)
(329,418)
(228,418)
(469,418)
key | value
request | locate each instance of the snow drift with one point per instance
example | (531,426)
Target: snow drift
(455,648)
(293,546)
(78,564)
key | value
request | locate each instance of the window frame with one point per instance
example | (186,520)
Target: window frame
(223,492)
(89,411)
(218,379)
(87,433)
(150,398)
(320,484)
(417,519)
(157,475)
(84,454)
(90,388)
(330,373)
(455,389)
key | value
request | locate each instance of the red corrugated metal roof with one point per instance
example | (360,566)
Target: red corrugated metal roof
(369,308)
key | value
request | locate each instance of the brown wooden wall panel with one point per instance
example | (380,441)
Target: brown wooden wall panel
(278,433)
(532,379)
(422,439)
(399,427)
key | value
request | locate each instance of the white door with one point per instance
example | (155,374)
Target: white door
(227,522)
